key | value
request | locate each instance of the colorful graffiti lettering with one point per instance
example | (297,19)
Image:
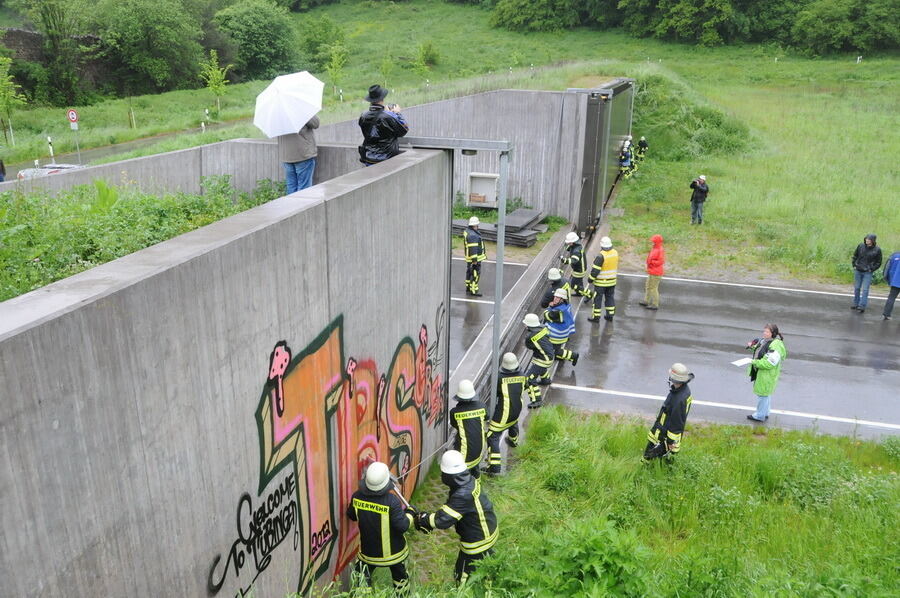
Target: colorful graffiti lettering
(328,417)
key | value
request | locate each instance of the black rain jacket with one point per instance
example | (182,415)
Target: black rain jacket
(382,522)
(865,258)
(381,130)
(469,509)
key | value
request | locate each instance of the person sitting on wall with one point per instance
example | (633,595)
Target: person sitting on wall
(381,128)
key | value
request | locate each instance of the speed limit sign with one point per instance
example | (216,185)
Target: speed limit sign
(72,115)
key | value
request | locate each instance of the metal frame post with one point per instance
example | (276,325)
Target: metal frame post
(498,276)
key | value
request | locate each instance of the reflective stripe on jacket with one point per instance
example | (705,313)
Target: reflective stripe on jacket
(382,523)
(471,511)
(605,268)
(560,321)
(474,246)
(576,260)
(669,424)
(469,419)
(509,400)
(538,340)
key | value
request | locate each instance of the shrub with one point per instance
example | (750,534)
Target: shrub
(317,37)
(535,15)
(264,36)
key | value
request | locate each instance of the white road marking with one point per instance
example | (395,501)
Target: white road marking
(753,286)
(831,418)
(462,259)
(471,300)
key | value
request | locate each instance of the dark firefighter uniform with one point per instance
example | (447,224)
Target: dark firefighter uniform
(468,418)
(561,325)
(665,435)
(548,294)
(537,338)
(506,415)
(469,509)
(642,147)
(382,523)
(578,262)
(475,254)
(625,162)
(603,276)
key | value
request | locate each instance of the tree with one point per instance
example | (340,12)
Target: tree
(317,38)
(56,20)
(214,77)
(338,56)
(10,97)
(264,36)
(535,15)
(154,43)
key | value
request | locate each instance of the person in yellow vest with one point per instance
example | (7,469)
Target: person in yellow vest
(383,520)
(510,388)
(603,276)
(473,245)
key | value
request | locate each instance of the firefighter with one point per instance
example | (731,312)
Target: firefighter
(625,162)
(469,509)
(383,518)
(554,276)
(469,419)
(603,277)
(561,325)
(664,439)
(642,147)
(578,262)
(475,254)
(510,385)
(537,338)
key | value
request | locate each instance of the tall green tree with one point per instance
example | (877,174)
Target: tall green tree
(338,57)
(214,76)
(264,35)
(10,96)
(57,21)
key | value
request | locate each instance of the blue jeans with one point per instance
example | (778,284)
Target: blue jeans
(861,282)
(762,407)
(697,212)
(299,175)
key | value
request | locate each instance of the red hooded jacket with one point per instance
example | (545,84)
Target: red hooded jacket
(657,258)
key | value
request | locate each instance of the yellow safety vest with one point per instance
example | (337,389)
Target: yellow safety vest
(607,275)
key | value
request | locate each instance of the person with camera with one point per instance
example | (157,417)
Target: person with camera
(769,353)
(381,128)
(383,520)
(698,198)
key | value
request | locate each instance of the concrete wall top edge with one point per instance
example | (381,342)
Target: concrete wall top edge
(31,309)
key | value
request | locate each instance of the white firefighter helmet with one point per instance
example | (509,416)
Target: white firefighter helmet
(554,274)
(531,320)
(643,138)
(572,237)
(474,221)
(679,373)
(605,243)
(465,391)
(452,462)
(377,476)
(561,293)
(628,137)
(510,362)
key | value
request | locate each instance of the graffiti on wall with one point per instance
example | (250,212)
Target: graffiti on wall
(321,419)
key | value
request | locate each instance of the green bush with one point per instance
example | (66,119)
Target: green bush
(535,15)
(264,36)
(317,36)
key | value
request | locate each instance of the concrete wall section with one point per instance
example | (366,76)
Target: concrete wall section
(192,418)
(545,127)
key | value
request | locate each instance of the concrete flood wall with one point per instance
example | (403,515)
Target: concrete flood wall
(546,128)
(191,419)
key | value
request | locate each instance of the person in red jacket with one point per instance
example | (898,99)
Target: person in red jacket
(656,260)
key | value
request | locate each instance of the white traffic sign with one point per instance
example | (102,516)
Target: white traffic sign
(72,116)
(73,125)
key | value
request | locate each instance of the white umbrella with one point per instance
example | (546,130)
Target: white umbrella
(288,103)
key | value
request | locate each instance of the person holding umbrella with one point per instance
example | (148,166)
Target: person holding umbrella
(298,156)
(381,128)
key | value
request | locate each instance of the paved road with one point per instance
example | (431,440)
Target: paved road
(841,376)
(470,315)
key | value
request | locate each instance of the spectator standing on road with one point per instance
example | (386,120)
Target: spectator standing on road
(769,353)
(892,277)
(866,259)
(656,261)
(664,438)
(698,198)
(297,152)
(381,128)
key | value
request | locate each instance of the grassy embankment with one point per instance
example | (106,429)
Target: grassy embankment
(741,512)
(797,151)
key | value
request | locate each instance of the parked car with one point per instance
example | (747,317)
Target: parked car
(45,170)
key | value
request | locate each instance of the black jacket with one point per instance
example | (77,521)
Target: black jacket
(381,129)
(537,339)
(577,260)
(701,190)
(669,424)
(468,419)
(470,510)
(548,294)
(509,400)
(865,258)
(371,509)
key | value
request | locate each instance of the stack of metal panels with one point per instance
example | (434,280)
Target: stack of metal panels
(519,227)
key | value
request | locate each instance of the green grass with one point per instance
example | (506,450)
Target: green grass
(799,152)
(741,512)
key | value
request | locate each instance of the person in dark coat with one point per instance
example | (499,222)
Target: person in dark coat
(383,519)
(469,419)
(381,128)
(554,276)
(664,438)
(698,198)
(469,510)
(866,259)
(510,388)
(537,338)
